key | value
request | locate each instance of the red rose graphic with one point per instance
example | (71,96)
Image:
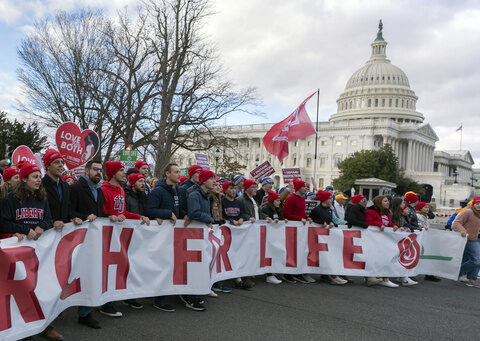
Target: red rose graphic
(409,251)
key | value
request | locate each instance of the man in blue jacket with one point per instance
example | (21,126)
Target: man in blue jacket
(199,199)
(164,203)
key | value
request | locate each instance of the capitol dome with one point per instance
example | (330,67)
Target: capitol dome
(378,90)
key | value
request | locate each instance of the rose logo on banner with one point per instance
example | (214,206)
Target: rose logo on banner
(409,251)
(76,146)
(23,153)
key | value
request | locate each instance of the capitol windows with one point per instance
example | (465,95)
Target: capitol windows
(309,143)
(323,142)
(353,142)
(383,102)
(396,103)
(350,104)
(296,143)
(294,161)
(309,162)
(369,102)
(337,161)
(389,102)
(376,102)
(402,103)
(338,143)
(388,78)
(323,161)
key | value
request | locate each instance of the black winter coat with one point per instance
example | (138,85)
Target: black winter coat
(355,216)
(59,207)
(135,202)
(82,202)
(183,195)
(321,215)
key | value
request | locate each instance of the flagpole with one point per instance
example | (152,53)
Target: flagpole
(461,135)
(316,139)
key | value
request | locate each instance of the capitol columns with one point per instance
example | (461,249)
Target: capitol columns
(409,155)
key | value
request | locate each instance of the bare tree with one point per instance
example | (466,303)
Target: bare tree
(151,81)
(61,72)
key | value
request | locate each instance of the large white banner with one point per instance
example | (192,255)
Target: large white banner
(101,261)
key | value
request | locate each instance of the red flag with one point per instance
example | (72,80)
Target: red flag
(296,126)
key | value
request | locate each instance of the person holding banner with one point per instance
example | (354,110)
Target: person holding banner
(58,191)
(422,215)
(294,209)
(26,212)
(273,209)
(185,189)
(379,215)
(468,223)
(322,214)
(86,202)
(231,210)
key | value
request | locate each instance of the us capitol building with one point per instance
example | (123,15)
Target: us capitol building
(377,107)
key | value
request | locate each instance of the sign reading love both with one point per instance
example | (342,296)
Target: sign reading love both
(24,154)
(76,146)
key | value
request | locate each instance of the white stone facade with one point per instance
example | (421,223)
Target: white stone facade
(376,108)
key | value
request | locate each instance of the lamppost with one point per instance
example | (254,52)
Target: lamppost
(218,155)
(455,174)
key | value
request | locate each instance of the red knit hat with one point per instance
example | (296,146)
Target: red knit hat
(226,184)
(410,198)
(272,196)
(421,205)
(204,175)
(49,156)
(140,163)
(28,168)
(297,184)
(357,198)
(323,195)
(68,176)
(9,172)
(475,200)
(134,177)
(112,167)
(193,169)
(183,178)
(247,183)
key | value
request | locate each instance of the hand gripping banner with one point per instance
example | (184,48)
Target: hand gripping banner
(102,261)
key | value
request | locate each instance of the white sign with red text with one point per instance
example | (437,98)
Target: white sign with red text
(102,261)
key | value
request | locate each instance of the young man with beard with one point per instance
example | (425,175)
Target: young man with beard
(58,197)
(86,202)
(135,202)
(142,167)
(162,204)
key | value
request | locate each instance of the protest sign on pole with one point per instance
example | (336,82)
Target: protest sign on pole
(76,146)
(291,173)
(202,160)
(128,158)
(184,171)
(25,154)
(310,205)
(265,169)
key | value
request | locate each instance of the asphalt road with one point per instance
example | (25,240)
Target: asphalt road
(427,311)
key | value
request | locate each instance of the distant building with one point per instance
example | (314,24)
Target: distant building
(377,107)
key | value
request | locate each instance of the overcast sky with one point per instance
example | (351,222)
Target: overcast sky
(289,48)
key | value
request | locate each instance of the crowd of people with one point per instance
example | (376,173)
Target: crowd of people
(31,204)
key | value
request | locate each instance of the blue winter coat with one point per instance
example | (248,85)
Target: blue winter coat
(199,205)
(163,201)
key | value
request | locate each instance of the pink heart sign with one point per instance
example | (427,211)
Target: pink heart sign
(23,153)
(77,147)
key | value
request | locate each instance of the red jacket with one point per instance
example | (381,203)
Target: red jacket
(373,217)
(114,201)
(294,207)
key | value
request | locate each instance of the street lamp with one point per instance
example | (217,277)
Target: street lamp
(217,154)
(455,174)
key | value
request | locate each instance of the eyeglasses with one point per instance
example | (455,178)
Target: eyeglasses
(364,200)
(96,169)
